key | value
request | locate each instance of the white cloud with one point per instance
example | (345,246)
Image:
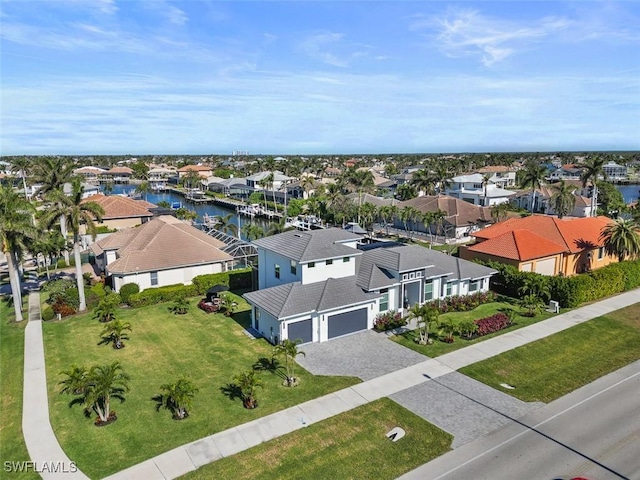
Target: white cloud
(331,48)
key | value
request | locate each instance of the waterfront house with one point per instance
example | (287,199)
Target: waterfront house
(116,175)
(122,212)
(471,188)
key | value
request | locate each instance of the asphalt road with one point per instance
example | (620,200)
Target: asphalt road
(593,433)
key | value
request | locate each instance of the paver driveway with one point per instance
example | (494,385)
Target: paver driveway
(365,355)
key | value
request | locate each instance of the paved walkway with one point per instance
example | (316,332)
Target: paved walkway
(193,455)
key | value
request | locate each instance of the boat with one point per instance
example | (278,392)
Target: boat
(195,194)
(176,205)
(250,210)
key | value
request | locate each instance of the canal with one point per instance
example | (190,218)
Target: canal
(630,193)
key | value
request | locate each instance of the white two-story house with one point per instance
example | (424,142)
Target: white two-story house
(471,188)
(320,284)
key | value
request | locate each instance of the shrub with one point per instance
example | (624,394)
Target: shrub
(494,323)
(63,309)
(127,290)
(463,303)
(207,307)
(48,314)
(388,321)
(234,279)
(467,328)
(170,293)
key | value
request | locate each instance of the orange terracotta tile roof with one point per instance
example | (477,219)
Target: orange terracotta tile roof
(119,170)
(495,169)
(581,233)
(519,245)
(116,206)
(195,168)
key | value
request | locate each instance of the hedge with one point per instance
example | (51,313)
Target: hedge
(234,279)
(572,291)
(170,293)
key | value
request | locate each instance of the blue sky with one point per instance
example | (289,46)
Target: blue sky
(305,77)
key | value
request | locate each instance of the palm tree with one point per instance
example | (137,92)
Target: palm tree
(387,213)
(621,238)
(106,309)
(47,243)
(186,214)
(485,185)
(103,383)
(22,166)
(191,179)
(423,181)
(75,382)
(368,214)
(289,350)
(264,184)
(271,179)
(593,169)
(52,173)
(563,200)
(499,211)
(115,332)
(225,224)
(143,188)
(307,183)
(533,176)
(426,316)
(16,230)
(536,285)
(76,212)
(252,232)
(441,177)
(248,382)
(177,397)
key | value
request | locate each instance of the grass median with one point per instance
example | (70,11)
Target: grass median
(554,366)
(349,445)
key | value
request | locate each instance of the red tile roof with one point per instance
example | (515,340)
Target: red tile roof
(519,245)
(116,206)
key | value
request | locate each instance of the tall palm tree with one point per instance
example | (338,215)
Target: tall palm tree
(423,181)
(307,183)
(441,177)
(532,177)
(76,212)
(16,230)
(622,238)
(143,188)
(387,213)
(486,178)
(103,383)
(22,166)
(563,200)
(499,211)
(225,224)
(368,214)
(52,173)
(593,169)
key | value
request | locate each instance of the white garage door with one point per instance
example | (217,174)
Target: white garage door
(546,267)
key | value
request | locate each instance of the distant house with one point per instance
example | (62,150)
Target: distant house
(90,175)
(279,179)
(614,172)
(321,284)
(501,176)
(471,188)
(543,244)
(116,175)
(566,172)
(122,212)
(203,171)
(543,204)
(163,251)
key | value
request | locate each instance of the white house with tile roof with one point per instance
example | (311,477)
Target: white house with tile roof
(321,284)
(163,251)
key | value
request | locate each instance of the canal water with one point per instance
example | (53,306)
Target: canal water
(200,208)
(630,193)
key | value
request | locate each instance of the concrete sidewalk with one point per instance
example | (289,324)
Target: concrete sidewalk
(44,447)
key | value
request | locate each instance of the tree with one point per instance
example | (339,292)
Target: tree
(562,200)
(593,169)
(610,199)
(115,332)
(406,191)
(486,179)
(387,213)
(426,316)
(180,305)
(533,175)
(264,184)
(307,183)
(289,350)
(103,383)
(76,212)
(368,214)
(177,397)
(532,304)
(248,383)
(424,182)
(252,232)
(47,243)
(75,381)
(225,224)
(22,165)
(536,285)
(621,238)
(106,309)
(16,230)
(186,214)
(500,211)
(51,173)
(191,179)
(143,188)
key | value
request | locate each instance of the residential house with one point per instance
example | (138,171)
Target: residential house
(279,179)
(90,175)
(543,244)
(543,203)
(203,171)
(116,175)
(163,251)
(471,188)
(566,172)
(159,177)
(320,284)
(500,175)
(615,172)
(122,212)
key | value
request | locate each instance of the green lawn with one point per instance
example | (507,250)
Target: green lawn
(210,348)
(12,447)
(440,348)
(350,445)
(556,365)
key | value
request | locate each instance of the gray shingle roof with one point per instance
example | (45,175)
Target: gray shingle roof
(310,245)
(295,298)
(458,268)
(373,277)
(401,259)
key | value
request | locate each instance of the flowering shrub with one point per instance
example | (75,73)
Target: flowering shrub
(63,309)
(492,324)
(388,321)
(463,303)
(207,306)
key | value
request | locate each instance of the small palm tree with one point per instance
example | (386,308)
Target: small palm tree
(180,305)
(532,304)
(248,383)
(115,332)
(75,382)
(252,232)
(426,316)
(106,309)
(536,285)
(225,224)
(289,350)
(103,383)
(621,238)
(177,397)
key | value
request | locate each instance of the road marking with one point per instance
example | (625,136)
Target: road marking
(537,425)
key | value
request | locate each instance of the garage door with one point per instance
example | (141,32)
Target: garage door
(546,267)
(347,322)
(301,331)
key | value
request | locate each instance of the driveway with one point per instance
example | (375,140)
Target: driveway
(365,355)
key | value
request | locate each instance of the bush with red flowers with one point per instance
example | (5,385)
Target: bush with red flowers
(494,323)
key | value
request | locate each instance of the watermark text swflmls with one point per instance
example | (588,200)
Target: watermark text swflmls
(40,467)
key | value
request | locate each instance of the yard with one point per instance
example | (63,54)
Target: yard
(350,445)
(210,348)
(440,347)
(556,365)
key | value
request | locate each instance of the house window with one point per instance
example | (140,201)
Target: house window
(600,253)
(294,267)
(346,259)
(405,276)
(312,264)
(473,286)
(419,274)
(384,300)
(412,275)
(446,289)
(154,278)
(277,270)
(330,262)
(428,290)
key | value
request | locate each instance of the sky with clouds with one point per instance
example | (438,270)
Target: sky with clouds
(314,77)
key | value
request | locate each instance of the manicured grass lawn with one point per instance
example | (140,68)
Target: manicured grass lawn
(350,445)
(556,365)
(12,447)
(210,348)
(440,348)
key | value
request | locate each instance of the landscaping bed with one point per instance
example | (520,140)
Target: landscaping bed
(210,349)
